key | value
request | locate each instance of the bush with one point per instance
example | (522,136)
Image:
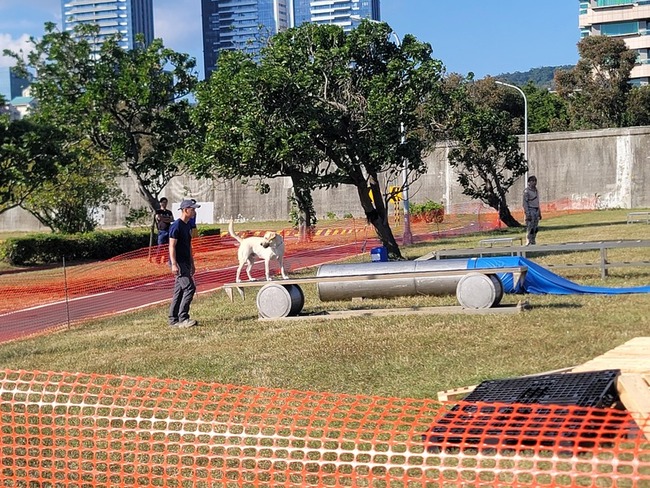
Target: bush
(52,248)
(429,211)
(209,231)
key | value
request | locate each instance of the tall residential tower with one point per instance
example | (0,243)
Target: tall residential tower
(336,12)
(240,25)
(128,17)
(247,24)
(627,19)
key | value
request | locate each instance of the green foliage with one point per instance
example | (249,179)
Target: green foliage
(347,215)
(540,78)
(331,215)
(596,89)
(31,155)
(138,217)
(204,231)
(428,211)
(51,248)
(128,104)
(485,153)
(547,112)
(638,106)
(72,201)
(324,108)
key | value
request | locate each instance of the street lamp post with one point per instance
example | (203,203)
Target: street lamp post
(525,120)
(407,237)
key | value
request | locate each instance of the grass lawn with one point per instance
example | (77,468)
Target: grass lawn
(404,356)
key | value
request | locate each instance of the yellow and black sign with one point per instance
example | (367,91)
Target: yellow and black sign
(395,194)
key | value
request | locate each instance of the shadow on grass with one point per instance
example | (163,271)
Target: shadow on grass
(580,226)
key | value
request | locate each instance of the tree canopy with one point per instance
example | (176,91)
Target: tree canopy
(484,148)
(325,108)
(30,155)
(596,89)
(127,103)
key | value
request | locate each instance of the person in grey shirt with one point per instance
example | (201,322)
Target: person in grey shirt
(532,210)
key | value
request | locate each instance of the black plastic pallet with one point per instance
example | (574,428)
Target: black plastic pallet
(586,389)
(525,412)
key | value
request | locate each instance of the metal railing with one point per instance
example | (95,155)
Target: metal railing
(524,251)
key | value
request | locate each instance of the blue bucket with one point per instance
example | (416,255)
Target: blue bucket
(379,254)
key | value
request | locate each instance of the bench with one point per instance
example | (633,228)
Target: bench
(499,240)
(638,217)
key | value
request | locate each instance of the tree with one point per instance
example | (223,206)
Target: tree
(31,154)
(128,103)
(596,89)
(325,108)
(547,112)
(485,151)
(638,106)
(71,201)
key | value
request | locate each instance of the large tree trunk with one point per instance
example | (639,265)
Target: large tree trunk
(501,206)
(377,216)
(506,217)
(306,214)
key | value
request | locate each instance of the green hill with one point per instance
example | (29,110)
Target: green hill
(541,77)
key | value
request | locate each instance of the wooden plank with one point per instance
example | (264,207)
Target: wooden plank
(635,396)
(381,276)
(384,312)
(518,272)
(630,357)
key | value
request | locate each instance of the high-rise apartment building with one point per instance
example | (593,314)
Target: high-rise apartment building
(246,24)
(11,85)
(128,17)
(240,25)
(627,19)
(337,12)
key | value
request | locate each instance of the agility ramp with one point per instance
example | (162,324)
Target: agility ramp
(540,281)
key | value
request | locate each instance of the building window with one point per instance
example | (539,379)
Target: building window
(619,28)
(610,3)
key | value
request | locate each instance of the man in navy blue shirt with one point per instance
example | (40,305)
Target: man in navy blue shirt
(182,263)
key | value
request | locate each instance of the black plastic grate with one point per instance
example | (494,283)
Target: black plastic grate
(486,419)
(587,389)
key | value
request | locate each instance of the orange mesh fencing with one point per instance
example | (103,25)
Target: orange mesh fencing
(83,430)
(20,290)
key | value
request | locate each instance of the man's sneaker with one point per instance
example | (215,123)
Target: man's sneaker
(187,323)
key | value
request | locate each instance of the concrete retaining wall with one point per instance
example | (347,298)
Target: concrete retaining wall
(607,168)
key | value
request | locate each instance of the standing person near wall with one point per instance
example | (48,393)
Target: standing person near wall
(164,219)
(532,210)
(182,263)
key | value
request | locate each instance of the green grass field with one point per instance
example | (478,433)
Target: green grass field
(403,356)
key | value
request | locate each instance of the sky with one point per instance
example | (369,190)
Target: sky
(479,36)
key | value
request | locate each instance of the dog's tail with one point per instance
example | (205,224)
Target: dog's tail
(231,231)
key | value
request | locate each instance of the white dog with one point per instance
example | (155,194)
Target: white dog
(267,247)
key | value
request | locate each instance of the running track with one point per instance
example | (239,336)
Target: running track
(59,315)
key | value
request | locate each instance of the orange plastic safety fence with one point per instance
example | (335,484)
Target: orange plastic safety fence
(148,266)
(86,430)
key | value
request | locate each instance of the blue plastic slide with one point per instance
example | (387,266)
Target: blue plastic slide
(541,281)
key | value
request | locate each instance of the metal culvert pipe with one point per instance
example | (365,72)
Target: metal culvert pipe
(478,290)
(388,288)
(275,300)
